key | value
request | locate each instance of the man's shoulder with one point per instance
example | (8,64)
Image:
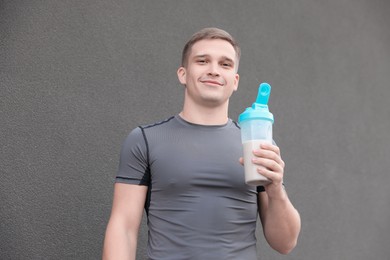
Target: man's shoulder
(161,123)
(139,131)
(235,124)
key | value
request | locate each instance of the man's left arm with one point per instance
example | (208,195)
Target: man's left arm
(280,220)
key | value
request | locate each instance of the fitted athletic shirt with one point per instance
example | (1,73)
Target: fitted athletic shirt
(198,204)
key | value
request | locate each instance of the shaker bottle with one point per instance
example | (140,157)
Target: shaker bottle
(256,128)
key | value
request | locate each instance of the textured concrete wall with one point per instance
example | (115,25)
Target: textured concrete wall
(77,76)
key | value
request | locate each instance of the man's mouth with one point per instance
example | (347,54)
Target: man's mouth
(211,82)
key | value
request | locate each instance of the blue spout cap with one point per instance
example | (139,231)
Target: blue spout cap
(259,109)
(263,94)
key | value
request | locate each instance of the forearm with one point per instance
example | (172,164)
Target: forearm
(119,243)
(282,224)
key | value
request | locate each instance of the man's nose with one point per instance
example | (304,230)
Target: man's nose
(213,69)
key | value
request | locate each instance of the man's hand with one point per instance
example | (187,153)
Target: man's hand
(268,156)
(280,220)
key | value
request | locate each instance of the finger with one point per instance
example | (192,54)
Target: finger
(269,164)
(271,147)
(241,160)
(269,154)
(275,177)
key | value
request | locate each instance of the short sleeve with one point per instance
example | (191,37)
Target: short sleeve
(133,161)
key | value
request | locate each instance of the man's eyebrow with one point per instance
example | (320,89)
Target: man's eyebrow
(225,58)
(201,56)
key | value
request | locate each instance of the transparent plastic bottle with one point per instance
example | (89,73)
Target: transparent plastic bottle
(256,128)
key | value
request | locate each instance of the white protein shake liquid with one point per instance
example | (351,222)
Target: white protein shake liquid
(252,177)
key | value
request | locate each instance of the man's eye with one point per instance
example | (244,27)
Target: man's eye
(226,64)
(201,61)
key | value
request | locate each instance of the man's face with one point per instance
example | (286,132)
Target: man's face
(210,76)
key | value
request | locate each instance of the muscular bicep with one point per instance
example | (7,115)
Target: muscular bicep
(128,205)
(122,230)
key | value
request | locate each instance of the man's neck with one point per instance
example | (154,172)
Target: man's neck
(204,115)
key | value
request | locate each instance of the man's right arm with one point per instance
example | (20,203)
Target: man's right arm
(122,230)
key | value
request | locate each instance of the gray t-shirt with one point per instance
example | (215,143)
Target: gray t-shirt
(198,204)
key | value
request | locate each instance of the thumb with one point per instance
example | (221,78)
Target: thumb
(241,160)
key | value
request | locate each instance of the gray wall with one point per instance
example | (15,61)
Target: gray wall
(77,76)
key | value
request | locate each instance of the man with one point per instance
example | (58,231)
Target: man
(187,173)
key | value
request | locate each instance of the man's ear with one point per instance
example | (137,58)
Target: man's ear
(236,80)
(181,75)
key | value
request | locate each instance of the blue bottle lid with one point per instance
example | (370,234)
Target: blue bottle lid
(259,109)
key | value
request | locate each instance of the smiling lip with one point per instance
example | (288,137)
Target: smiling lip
(213,82)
